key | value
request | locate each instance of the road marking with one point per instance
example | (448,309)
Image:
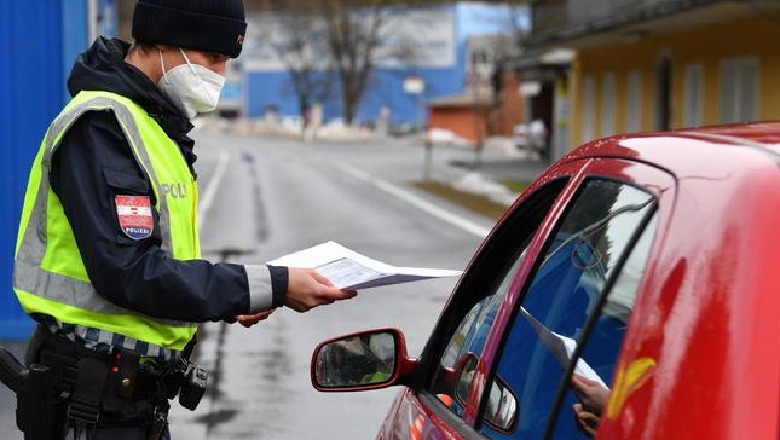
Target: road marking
(211,189)
(407,196)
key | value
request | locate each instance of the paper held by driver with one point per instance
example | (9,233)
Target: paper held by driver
(562,348)
(348,269)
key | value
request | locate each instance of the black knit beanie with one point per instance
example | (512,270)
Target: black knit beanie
(207,25)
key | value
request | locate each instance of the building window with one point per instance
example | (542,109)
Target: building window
(693,103)
(663,94)
(634,102)
(608,104)
(479,56)
(588,108)
(739,90)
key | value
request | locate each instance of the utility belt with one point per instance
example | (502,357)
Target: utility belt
(85,383)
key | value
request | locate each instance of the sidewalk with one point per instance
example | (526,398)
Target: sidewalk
(498,161)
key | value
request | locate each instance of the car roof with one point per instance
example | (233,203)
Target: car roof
(705,151)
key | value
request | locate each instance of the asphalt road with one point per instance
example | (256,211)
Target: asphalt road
(278,196)
(263,198)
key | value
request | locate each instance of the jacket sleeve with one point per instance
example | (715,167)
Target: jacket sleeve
(92,165)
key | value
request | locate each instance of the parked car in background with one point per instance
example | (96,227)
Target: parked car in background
(650,259)
(532,137)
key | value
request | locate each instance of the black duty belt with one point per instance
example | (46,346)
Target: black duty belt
(65,376)
(126,378)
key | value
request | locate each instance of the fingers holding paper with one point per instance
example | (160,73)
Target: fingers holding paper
(307,289)
(593,398)
(592,394)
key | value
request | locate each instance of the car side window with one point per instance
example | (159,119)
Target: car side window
(471,315)
(602,346)
(565,288)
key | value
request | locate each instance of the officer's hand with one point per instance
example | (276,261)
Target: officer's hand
(250,320)
(307,289)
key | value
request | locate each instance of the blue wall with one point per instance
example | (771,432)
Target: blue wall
(385,89)
(38,41)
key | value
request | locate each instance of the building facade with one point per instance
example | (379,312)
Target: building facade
(645,65)
(436,60)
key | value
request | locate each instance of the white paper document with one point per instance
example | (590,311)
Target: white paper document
(348,269)
(562,348)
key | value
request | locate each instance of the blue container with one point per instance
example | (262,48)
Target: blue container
(38,41)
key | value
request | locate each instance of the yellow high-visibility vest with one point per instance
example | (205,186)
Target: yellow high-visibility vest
(49,274)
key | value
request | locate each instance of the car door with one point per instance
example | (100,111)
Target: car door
(436,406)
(575,304)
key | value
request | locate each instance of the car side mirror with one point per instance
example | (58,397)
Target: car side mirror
(361,361)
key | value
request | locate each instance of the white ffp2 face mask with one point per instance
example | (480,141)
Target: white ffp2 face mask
(192,87)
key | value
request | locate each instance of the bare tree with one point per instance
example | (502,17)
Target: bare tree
(357,30)
(299,42)
(353,38)
(327,41)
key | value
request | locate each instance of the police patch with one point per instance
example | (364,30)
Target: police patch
(135,216)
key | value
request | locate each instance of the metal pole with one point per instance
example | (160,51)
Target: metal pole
(428,163)
(477,128)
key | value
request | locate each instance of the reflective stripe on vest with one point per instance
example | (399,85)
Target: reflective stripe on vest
(61,292)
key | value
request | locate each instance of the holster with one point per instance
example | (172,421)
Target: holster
(33,389)
(12,372)
(34,404)
(69,385)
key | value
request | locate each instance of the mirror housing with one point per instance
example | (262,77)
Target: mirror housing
(360,361)
(503,407)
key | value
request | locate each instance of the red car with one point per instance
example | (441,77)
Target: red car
(651,259)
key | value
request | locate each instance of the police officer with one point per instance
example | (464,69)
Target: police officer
(108,257)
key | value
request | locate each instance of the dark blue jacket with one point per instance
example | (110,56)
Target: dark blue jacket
(136,274)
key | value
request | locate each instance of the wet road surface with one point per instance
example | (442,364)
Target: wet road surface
(279,196)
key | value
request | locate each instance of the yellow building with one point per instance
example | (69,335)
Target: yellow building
(646,65)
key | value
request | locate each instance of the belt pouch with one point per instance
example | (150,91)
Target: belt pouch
(90,382)
(121,381)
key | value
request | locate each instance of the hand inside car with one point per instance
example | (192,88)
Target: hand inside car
(307,289)
(586,420)
(592,394)
(593,397)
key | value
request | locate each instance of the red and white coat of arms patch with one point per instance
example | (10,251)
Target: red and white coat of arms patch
(135,216)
